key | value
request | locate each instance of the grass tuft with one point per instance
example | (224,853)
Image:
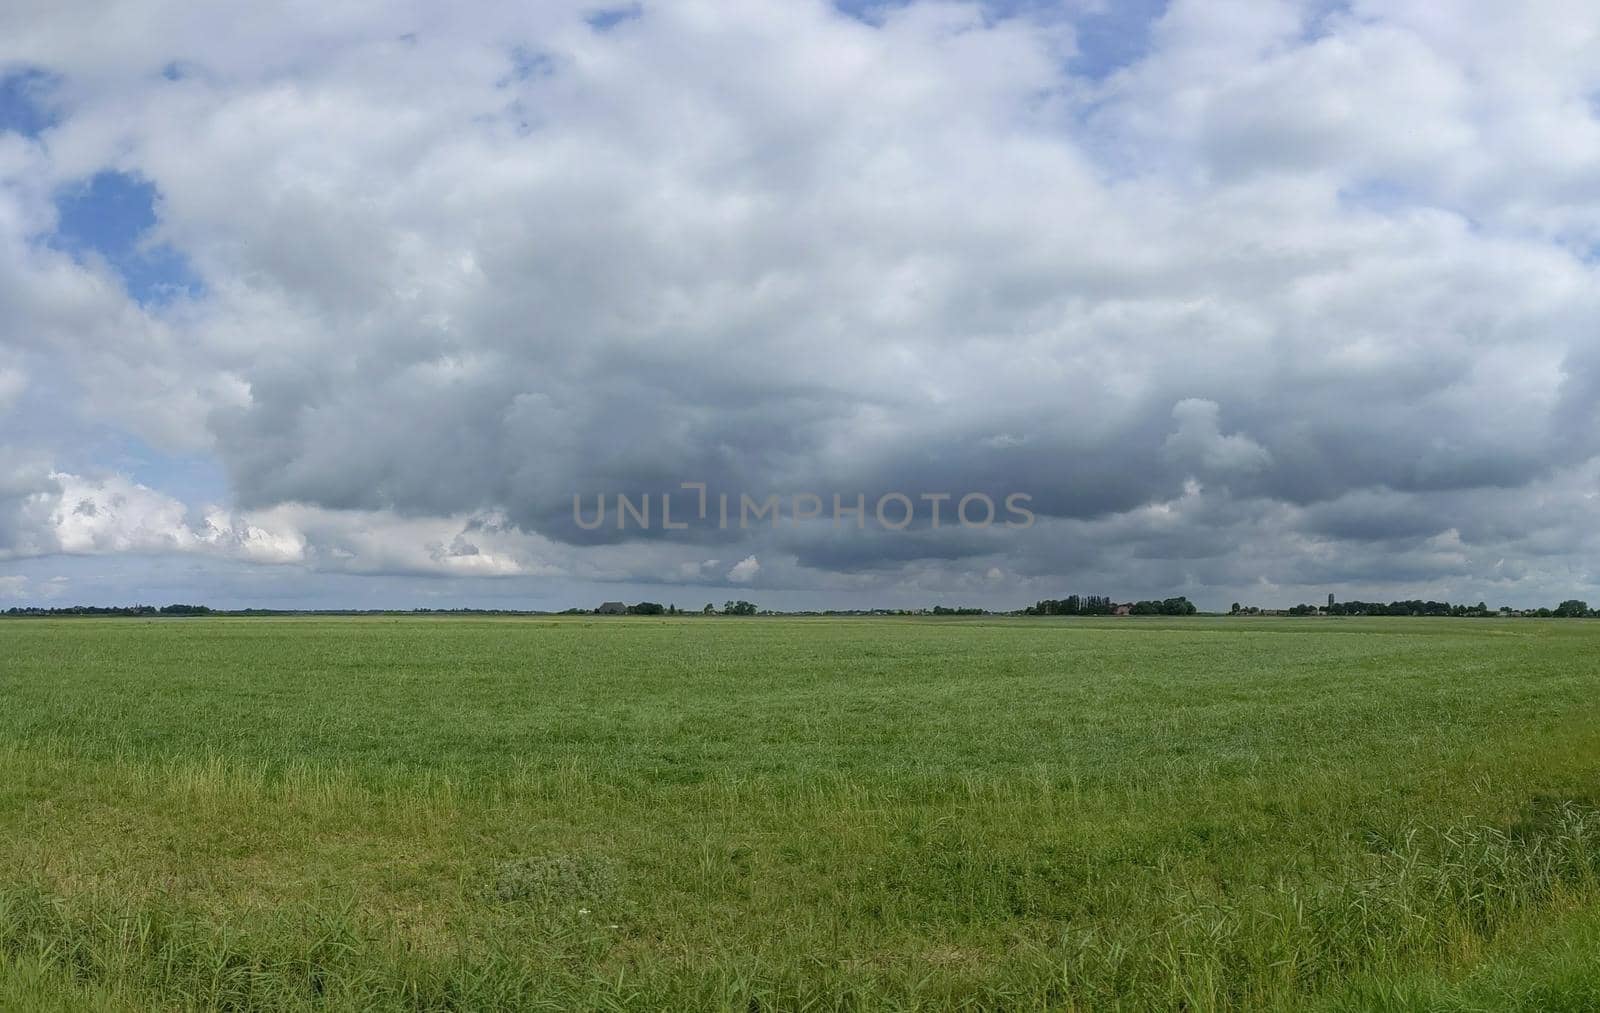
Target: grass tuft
(570,881)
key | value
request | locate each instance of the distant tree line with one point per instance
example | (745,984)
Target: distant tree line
(1072,605)
(1179,606)
(114,610)
(651,608)
(1572,608)
(1412,607)
(1100,605)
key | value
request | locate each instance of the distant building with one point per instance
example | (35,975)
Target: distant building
(611,608)
(1122,610)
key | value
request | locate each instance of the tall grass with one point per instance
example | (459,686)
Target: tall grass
(1423,893)
(789,816)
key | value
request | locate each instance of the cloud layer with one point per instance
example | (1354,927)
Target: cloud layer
(1295,297)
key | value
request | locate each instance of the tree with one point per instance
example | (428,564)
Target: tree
(1234,610)
(1572,609)
(185,610)
(708,610)
(739,608)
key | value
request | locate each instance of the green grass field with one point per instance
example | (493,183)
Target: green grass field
(449,814)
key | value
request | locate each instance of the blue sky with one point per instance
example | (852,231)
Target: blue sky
(1114,36)
(112,215)
(24,105)
(1109,35)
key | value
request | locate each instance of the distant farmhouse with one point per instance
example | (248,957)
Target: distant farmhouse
(611,608)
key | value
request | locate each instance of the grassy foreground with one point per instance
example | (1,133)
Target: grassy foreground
(452,814)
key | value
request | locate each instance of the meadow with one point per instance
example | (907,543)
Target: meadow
(777,814)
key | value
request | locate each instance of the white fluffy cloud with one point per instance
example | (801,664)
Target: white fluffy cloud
(1269,304)
(1199,441)
(745,570)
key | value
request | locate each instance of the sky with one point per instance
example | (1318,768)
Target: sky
(373,305)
